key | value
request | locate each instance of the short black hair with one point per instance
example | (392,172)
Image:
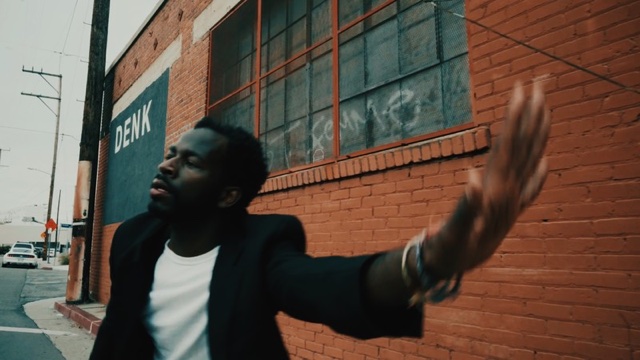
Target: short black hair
(244,161)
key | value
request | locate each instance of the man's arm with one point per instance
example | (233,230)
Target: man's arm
(512,179)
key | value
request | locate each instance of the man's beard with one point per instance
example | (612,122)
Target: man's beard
(177,211)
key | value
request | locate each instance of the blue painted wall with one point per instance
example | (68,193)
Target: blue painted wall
(136,147)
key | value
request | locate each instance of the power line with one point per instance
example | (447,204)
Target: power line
(37,131)
(545,53)
(69,28)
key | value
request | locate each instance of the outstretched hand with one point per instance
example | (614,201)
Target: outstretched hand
(512,179)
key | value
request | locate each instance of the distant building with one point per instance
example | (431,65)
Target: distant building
(26,224)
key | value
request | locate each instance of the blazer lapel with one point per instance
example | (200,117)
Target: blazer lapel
(225,283)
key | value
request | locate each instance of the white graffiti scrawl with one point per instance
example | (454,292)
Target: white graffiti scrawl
(401,113)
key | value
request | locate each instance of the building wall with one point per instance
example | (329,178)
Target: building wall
(565,283)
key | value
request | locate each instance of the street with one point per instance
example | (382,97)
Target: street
(20,337)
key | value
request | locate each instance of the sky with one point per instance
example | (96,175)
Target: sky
(51,37)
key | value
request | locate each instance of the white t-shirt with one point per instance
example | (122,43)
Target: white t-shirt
(177,316)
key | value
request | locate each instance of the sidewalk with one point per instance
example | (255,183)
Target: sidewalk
(71,328)
(72,340)
(87,316)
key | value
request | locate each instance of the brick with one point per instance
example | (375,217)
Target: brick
(344,344)
(314,347)
(373,163)
(616,226)
(619,262)
(481,138)
(357,169)
(548,343)
(366,349)
(398,158)
(389,159)
(342,169)
(364,164)
(380,162)
(600,351)
(425,152)
(435,149)
(416,154)
(618,298)
(601,315)
(446,147)
(333,352)
(468,142)
(406,156)
(571,329)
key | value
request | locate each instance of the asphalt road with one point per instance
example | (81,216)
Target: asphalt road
(20,337)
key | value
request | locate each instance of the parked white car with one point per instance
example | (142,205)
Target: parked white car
(21,254)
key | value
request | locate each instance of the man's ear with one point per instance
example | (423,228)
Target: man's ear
(229,197)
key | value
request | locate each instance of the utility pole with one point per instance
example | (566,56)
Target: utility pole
(84,200)
(55,142)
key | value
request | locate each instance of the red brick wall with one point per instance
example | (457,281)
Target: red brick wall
(565,284)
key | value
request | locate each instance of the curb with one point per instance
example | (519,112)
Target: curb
(87,321)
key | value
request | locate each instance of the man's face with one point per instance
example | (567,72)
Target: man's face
(189,182)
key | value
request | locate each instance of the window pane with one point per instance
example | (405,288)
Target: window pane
(454,30)
(351,67)
(321,82)
(274,52)
(386,126)
(382,15)
(297,9)
(349,10)
(298,143)
(457,103)
(273,144)
(381,53)
(353,125)
(297,36)
(295,112)
(297,101)
(322,135)
(233,53)
(286,30)
(237,110)
(276,16)
(272,105)
(421,104)
(320,22)
(418,47)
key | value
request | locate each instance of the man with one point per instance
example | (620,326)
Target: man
(197,277)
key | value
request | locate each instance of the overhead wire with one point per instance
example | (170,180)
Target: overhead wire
(73,13)
(535,49)
(37,131)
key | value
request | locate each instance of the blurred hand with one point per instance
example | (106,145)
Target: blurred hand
(512,179)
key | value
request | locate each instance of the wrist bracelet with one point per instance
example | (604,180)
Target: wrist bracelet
(429,288)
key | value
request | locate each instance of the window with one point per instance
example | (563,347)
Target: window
(388,72)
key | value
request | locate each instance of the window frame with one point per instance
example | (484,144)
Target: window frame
(334,39)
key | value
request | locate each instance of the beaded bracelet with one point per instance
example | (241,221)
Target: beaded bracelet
(430,289)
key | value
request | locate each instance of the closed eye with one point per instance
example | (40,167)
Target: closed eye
(190,162)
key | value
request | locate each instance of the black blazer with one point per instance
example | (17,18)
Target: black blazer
(261,269)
